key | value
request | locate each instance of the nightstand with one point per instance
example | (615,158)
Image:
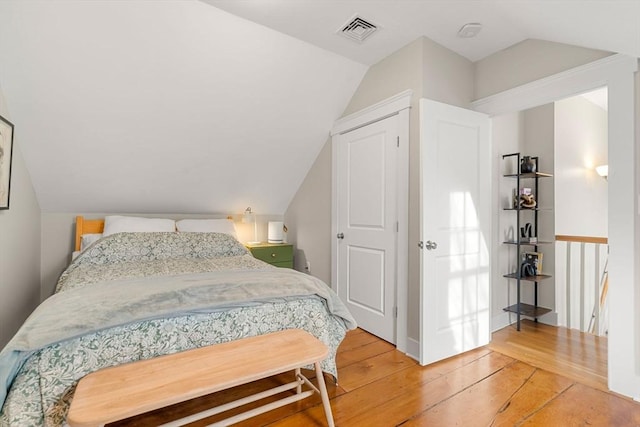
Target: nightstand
(278,254)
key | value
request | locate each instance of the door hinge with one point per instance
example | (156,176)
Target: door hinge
(397,141)
(395,312)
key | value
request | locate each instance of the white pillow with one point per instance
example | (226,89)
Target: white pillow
(208,226)
(121,224)
(88,239)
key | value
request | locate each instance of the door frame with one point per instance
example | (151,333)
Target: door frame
(396,105)
(617,72)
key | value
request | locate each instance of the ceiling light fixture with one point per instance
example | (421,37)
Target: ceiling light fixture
(469,30)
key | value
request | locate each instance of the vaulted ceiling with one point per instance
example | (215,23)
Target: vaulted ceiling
(214,105)
(167,106)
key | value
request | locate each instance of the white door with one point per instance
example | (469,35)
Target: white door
(455,230)
(366,224)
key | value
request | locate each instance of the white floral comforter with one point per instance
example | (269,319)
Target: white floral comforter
(134,296)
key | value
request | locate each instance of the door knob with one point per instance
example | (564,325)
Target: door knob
(430,245)
(340,236)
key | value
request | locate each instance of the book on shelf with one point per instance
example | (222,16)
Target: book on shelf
(534,259)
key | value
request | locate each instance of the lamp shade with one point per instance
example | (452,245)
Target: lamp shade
(276,232)
(249,217)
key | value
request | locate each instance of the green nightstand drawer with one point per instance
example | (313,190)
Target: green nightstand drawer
(278,254)
(285,264)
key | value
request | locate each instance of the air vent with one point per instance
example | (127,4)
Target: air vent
(357,29)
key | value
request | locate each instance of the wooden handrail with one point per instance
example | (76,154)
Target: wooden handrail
(583,239)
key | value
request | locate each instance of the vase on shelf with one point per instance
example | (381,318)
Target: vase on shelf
(527,165)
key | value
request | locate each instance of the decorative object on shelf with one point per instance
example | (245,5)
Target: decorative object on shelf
(525,232)
(6,151)
(527,165)
(534,259)
(248,218)
(528,201)
(527,270)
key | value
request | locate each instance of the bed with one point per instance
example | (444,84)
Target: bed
(137,295)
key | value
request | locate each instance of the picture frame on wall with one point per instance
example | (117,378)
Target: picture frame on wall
(6,154)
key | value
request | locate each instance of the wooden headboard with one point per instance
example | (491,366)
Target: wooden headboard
(87,226)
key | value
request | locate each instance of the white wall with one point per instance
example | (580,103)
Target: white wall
(528,61)
(581,144)
(530,133)
(306,219)
(539,141)
(508,137)
(19,245)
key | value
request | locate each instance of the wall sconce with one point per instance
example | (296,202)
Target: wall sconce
(248,218)
(603,171)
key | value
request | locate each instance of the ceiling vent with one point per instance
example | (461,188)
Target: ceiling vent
(357,29)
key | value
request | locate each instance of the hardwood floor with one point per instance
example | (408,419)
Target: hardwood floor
(541,376)
(568,352)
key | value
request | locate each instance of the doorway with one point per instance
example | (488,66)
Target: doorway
(618,73)
(568,139)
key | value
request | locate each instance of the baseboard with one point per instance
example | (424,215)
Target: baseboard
(413,349)
(500,321)
(550,318)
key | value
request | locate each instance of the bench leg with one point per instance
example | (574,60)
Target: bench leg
(325,396)
(299,388)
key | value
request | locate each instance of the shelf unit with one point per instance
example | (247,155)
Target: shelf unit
(520,308)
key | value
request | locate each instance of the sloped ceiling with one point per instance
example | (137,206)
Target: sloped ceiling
(165,106)
(178,106)
(610,25)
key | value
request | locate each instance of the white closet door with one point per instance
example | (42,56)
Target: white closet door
(367,216)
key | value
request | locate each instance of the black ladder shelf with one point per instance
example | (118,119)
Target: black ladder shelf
(520,308)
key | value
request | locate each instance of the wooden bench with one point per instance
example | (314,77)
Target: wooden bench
(123,391)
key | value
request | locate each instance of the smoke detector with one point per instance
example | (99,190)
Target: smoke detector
(357,29)
(469,30)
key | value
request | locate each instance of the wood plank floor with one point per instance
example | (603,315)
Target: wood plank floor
(568,352)
(515,381)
